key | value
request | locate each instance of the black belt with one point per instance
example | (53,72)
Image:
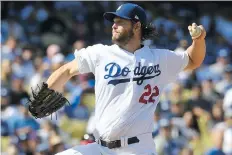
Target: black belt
(117,143)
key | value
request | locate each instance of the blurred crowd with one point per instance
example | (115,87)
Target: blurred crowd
(194,115)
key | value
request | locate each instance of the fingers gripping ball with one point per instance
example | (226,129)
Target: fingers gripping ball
(45,101)
(194,30)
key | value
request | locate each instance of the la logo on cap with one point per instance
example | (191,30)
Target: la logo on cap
(136,17)
(119,7)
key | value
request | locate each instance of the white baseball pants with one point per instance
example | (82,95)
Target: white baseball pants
(145,146)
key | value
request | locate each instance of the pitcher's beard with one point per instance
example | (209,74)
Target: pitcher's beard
(123,39)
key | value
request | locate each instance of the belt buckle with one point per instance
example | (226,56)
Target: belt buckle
(111,144)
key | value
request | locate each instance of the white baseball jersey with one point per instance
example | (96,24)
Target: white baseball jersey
(128,86)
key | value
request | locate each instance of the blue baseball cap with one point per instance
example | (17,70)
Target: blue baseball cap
(128,11)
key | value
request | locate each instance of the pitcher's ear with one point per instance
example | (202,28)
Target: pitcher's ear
(137,26)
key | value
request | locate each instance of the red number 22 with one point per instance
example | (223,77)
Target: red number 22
(149,92)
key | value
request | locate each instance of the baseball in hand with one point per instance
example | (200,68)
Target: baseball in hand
(194,30)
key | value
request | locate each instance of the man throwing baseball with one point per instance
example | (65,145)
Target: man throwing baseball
(130,78)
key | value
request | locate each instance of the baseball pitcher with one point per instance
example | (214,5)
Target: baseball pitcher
(130,78)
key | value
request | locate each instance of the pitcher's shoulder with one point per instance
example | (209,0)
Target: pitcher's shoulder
(105,47)
(159,51)
(113,46)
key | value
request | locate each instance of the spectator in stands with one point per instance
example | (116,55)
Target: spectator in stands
(197,99)
(227,136)
(165,144)
(9,50)
(224,140)
(156,123)
(27,64)
(218,68)
(184,128)
(9,114)
(12,150)
(37,77)
(10,27)
(56,144)
(17,92)
(217,113)
(183,45)
(6,73)
(25,124)
(226,82)
(217,138)
(209,93)
(177,109)
(227,102)
(51,51)
(186,151)
(77,45)
(82,112)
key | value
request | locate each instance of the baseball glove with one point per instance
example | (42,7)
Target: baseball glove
(45,101)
